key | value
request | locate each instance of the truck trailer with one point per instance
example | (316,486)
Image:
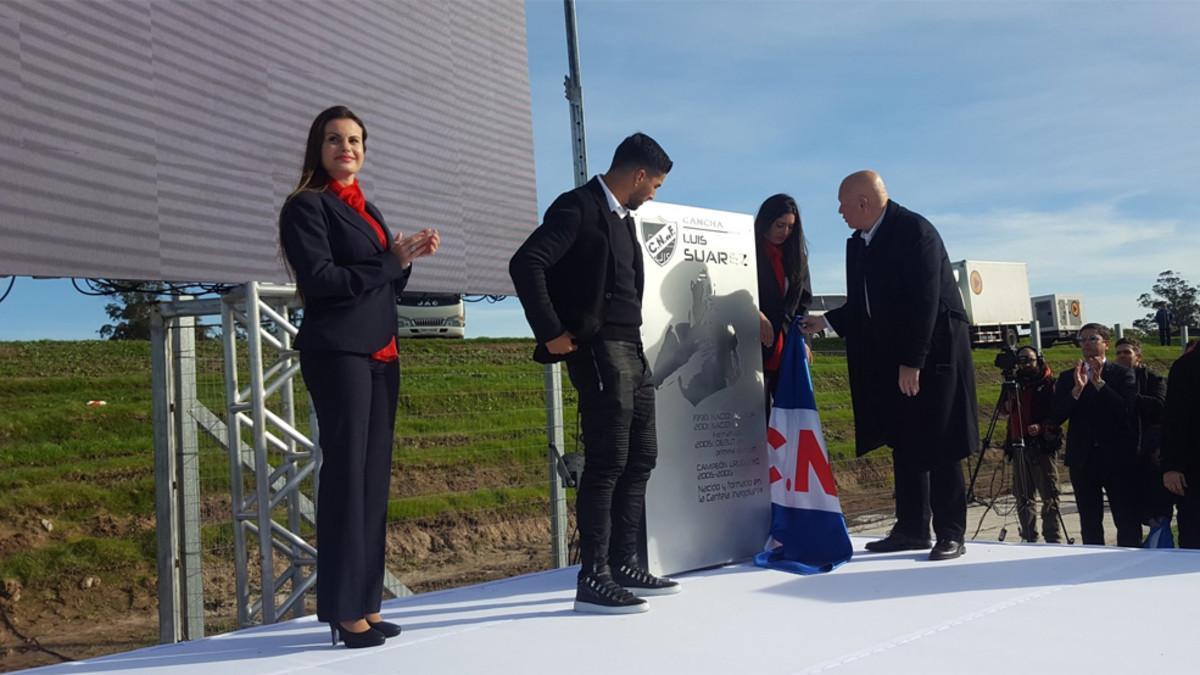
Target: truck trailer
(996,297)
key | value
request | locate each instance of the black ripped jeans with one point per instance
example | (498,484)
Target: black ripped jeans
(616,407)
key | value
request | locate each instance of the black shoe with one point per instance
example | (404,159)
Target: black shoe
(368,638)
(641,583)
(599,594)
(897,542)
(947,549)
(388,628)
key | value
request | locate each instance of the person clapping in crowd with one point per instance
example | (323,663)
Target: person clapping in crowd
(1098,397)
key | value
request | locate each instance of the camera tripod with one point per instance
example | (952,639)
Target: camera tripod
(1022,491)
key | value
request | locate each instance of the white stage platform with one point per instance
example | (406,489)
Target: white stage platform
(1002,608)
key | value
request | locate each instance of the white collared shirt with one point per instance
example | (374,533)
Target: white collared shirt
(613,204)
(866,237)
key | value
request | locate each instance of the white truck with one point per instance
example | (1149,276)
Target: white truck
(996,297)
(1060,316)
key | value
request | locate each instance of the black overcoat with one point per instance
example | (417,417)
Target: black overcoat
(916,318)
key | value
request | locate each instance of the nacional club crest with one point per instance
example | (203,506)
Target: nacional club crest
(660,238)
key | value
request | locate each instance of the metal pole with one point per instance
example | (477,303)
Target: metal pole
(183,357)
(233,444)
(553,372)
(1035,335)
(1118,331)
(166,517)
(574,86)
(288,404)
(262,473)
(1183,336)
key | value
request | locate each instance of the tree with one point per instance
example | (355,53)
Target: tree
(1176,294)
(131,316)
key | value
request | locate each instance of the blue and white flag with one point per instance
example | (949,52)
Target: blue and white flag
(808,530)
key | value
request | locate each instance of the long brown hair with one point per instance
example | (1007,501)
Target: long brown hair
(313,175)
(795,251)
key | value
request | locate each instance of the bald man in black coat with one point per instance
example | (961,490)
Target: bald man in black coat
(912,379)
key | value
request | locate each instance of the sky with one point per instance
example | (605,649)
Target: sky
(1061,134)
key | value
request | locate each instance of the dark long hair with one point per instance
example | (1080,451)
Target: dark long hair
(313,175)
(795,251)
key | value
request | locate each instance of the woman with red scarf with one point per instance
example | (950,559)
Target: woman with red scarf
(349,269)
(784,288)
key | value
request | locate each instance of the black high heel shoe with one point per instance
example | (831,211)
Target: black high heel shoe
(368,638)
(388,628)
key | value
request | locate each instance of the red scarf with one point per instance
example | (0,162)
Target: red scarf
(353,197)
(774,254)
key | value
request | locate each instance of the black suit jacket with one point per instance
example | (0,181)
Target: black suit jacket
(1102,435)
(1181,424)
(916,319)
(348,279)
(562,272)
(779,308)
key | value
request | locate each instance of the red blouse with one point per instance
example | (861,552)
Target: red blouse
(775,257)
(353,197)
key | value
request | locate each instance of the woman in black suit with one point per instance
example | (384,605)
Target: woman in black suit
(349,270)
(784,289)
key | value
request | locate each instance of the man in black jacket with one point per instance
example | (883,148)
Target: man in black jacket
(912,380)
(1098,397)
(1154,502)
(580,279)
(1181,444)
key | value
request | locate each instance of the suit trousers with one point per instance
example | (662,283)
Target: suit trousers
(355,400)
(1121,487)
(939,491)
(1189,514)
(616,409)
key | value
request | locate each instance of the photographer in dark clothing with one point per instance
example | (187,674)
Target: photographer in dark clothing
(1181,444)
(1155,502)
(1032,444)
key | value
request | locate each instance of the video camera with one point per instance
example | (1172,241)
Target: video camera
(1006,361)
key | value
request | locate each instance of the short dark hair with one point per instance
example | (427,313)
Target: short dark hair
(1132,342)
(639,151)
(1099,328)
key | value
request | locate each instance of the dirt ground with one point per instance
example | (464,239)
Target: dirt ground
(85,617)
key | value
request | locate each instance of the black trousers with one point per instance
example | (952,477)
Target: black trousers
(1189,514)
(616,408)
(1121,487)
(1164,334)
(355,400)
(940,492)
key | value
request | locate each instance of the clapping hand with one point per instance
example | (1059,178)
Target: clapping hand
(1081,379)
(419,245)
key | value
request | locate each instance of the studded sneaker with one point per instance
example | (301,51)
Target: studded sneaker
(599,594)
(641,583)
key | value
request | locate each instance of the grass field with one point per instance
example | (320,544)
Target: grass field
(77,486)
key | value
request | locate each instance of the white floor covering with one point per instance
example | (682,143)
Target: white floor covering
(1002,608)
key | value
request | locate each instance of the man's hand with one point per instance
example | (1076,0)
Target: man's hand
(808,352)
(910,380)
(766,332)
(1095,365)
(563,344)
(1175,482)
(1034,430)
(813,324)
(1081,380)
